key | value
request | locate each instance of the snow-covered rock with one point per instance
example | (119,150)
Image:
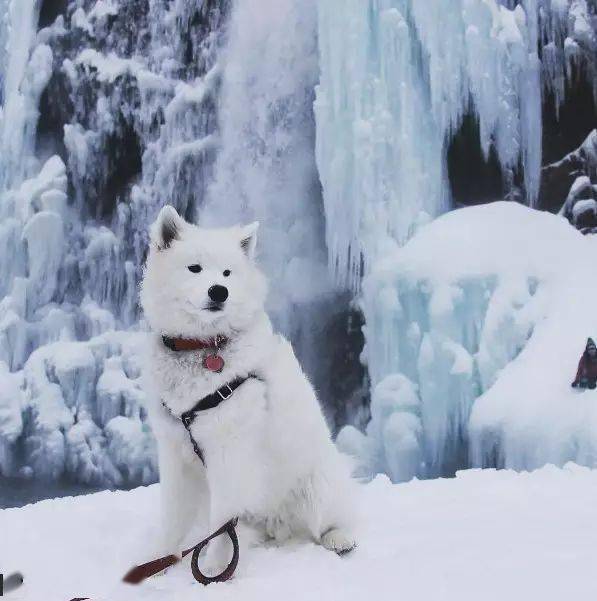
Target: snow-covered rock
(577,172)
(487,535)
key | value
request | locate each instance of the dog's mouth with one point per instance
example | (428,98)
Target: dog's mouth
(215,307)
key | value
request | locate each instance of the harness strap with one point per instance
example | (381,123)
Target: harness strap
(196,447)
(214,399)
(211,401)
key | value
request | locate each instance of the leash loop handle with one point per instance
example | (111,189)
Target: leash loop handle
(229,529)
(151,568)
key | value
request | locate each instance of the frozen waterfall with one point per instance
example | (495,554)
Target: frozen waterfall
(396,81)
(122,131)
(494,331)
(108,111)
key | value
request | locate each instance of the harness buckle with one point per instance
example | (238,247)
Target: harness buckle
(187,419)
(223,396)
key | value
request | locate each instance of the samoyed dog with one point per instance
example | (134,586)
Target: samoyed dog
(259,449)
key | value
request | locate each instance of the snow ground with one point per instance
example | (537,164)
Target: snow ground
(485,535)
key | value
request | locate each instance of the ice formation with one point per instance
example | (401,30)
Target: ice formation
(71,404)
(111,110)
(475,353)
(397,79)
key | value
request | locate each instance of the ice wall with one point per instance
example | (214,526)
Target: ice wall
(24,75)
(397,77)
(396,81)
(106,115)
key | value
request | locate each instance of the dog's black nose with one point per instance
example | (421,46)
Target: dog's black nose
(218,293)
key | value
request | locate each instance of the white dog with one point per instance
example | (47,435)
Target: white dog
(266,452)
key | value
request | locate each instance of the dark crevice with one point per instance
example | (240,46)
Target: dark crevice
(116,161)
(125,161)
(196,32)
(52,117)
(349,389)
(50,10)
(577,117)
(473,180)
(123,38)
(563,134)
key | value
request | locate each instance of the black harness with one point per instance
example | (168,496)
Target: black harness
(211,401)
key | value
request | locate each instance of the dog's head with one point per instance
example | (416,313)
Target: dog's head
(201,282)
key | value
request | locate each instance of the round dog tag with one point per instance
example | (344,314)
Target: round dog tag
(213,363)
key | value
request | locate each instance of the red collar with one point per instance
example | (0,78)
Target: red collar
(194,344)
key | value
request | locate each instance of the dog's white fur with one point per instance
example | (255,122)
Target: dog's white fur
(268,452)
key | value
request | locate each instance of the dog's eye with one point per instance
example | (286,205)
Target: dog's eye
(195,268)
(226,273)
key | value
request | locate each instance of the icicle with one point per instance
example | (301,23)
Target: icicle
(25,75)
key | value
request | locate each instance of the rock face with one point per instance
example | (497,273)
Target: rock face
(575,179)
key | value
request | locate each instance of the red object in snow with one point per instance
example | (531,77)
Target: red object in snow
(587,366)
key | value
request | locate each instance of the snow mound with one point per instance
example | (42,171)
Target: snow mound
(485,534)
(474,331)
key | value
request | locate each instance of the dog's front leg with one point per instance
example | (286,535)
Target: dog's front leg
(184,496)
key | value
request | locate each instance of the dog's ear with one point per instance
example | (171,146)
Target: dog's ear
(167,227)
(248,239)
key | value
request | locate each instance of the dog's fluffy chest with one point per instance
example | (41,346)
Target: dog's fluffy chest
(234,436)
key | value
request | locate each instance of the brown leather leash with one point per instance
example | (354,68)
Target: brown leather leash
(144,571)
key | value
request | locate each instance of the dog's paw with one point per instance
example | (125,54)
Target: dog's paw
(337,541)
